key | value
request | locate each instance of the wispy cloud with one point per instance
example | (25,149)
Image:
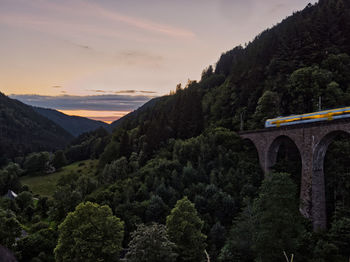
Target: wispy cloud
(56,86)
(97,90)
(136,57)
(129,91)
(147,92)
(83,15)
(48,25)
(94,102)
(84,46)
(143,23)
(126,92)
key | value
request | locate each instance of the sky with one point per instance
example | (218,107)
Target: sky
(104,58)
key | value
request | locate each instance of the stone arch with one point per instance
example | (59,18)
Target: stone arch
(319,213)
(273,149)
(322,146)
(260,153)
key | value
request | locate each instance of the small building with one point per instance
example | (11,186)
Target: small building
(10,194)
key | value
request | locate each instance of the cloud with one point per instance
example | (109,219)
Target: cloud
(129,91)
(48,25)
(84,46)
(143,23)
(56,86)
(97,90)
(147,92)
(135,57)
(126,92)
(94,102)
(79,14)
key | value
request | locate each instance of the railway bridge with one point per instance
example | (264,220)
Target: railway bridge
(312,141)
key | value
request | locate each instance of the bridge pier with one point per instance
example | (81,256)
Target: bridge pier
(319,214)
(305,206)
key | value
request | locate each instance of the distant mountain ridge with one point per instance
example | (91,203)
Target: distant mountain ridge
(23,130)
(75,125)
(134,113)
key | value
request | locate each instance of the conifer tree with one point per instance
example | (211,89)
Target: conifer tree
(184,229)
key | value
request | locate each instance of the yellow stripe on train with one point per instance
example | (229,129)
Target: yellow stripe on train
(326,114)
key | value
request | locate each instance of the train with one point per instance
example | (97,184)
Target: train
(309,118)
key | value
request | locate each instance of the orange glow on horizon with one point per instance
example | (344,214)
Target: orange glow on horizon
(104,116)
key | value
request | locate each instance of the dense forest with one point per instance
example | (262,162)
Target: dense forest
(22,130)
(175,182)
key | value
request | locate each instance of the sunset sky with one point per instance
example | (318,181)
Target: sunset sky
(102,59)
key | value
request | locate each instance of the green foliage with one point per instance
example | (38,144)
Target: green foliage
(324,251)
(36,162)
(151,244)
(71,189)
(184,229)
(270,226)
(278,221)
(110,153)
(182,145)
(156,210)
(59,159)
(24,131)
(208,72)
(88,145)
(115,171)
(42,206)
(10,228)
(339,233)
(337,175)
(216,239)
(40,243)
(46,185)
(90,233)
(9,178)
(267,107)
(305,86)
(240,243)
(24,199)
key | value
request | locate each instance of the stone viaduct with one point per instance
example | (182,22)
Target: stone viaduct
(312,141)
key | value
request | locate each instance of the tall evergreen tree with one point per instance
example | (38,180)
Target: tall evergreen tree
(151,244)
(278,221)
(184,229)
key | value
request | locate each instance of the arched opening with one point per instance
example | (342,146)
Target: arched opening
(252,162)
(337,173)
(284,156)
(251,151)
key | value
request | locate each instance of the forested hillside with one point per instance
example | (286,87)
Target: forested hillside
(22,130)
(175,182)
(283,71)
(75,125)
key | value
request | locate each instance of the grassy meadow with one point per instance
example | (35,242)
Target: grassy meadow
(45,185)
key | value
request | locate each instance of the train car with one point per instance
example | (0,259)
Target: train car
(324,115)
